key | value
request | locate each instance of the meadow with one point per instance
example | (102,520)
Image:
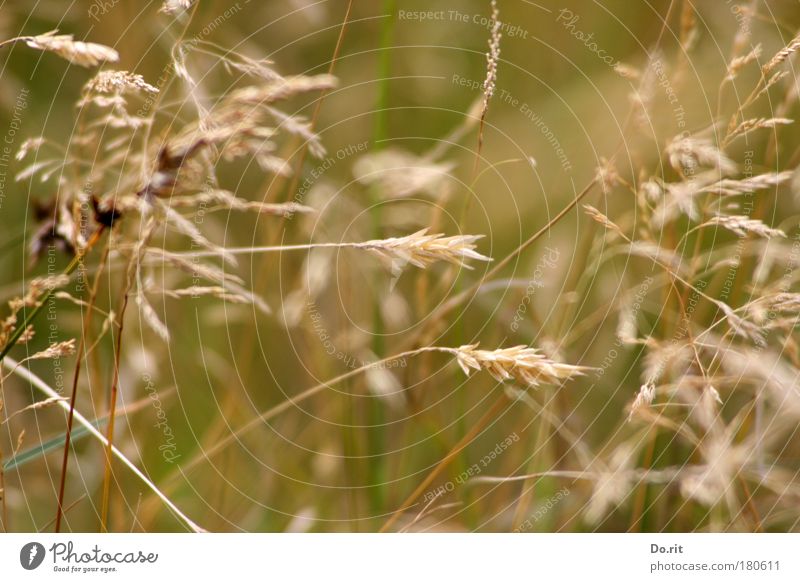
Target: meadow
(338,266)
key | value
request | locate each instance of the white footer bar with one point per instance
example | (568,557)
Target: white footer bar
(404,558)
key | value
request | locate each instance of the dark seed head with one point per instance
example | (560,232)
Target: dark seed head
(105,215)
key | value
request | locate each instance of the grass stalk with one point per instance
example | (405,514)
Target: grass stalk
(376,441)
(476,429)
(31,316)
(49,392)
(87,324)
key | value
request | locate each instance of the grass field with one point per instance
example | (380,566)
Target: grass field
(329,266)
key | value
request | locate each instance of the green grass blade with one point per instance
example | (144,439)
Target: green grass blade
(57,443)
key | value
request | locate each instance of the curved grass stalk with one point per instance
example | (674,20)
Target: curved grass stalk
(294,400)
(454,302)
(476,429)
(44,388)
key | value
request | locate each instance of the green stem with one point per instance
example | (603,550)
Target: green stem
(380,130)
(376,416)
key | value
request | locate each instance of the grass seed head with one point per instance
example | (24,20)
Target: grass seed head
(85,54)
(524,364)
(422,249)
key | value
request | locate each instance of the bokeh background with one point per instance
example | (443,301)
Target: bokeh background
(409,86)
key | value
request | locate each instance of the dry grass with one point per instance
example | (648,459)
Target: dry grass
(208,230)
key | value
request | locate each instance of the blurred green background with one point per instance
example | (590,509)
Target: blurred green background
(558,110)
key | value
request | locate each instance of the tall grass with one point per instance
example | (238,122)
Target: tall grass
(276,298)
